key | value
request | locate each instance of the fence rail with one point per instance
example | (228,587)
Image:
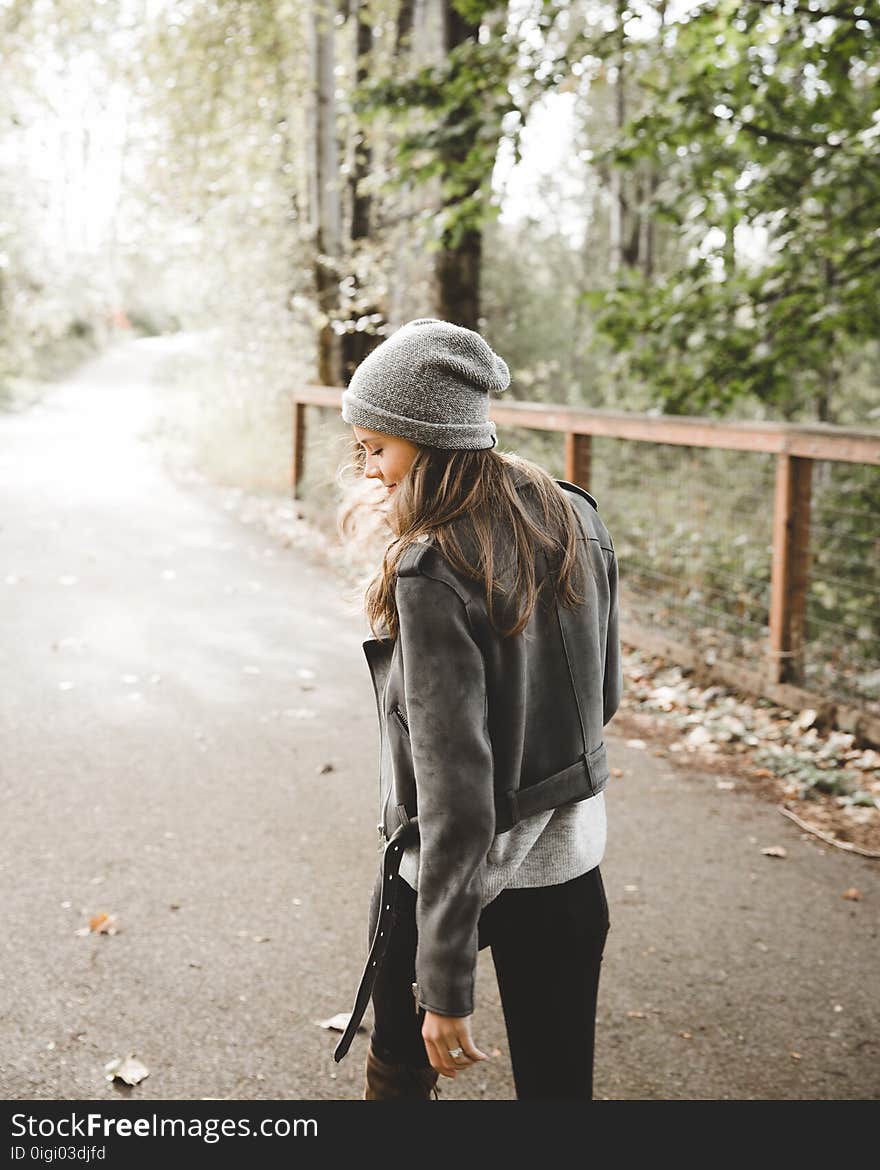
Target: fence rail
(796,450)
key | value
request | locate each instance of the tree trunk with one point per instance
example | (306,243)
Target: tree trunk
(459,265)
(357,343)
(618,209)
(327,218)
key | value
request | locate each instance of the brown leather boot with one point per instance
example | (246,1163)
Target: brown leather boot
(398,1082)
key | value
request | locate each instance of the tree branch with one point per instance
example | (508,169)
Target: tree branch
(781,136)
(847,845)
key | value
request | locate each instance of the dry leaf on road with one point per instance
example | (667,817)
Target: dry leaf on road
(774,851)
(126,1069)
(339,1022)
(99,924)
(103,924)
(852,894)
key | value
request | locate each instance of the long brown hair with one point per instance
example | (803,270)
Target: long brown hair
(485,511)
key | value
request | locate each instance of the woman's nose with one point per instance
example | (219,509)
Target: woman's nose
(371,472)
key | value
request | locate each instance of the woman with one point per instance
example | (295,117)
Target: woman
(495,664)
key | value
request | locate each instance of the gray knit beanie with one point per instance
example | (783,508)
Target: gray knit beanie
(428,382)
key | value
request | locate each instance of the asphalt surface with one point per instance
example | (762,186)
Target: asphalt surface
(188,744)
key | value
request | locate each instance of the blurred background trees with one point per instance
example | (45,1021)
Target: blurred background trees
(654,205)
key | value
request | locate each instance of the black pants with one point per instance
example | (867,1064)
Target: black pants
(547,946)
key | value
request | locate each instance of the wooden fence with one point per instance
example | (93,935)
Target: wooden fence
(795,448)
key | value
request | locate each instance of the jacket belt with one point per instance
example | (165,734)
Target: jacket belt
(405,835)
(587,776)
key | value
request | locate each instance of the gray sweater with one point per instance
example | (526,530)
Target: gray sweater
(542,850)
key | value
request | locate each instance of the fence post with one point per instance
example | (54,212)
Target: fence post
(790,570)
(578,457)
(299,445)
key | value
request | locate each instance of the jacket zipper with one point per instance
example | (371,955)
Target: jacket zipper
(381,826)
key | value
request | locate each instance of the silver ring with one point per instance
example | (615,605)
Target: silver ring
(455,1053)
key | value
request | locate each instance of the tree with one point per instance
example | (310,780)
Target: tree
(763,127)
(454,113)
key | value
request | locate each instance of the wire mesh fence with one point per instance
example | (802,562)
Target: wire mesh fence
(842,655)
(693,531)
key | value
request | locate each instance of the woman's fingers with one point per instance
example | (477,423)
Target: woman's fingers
(452,1053)
(441,1059)
(472,1052)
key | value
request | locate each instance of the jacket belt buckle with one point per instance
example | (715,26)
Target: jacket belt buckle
(383,838)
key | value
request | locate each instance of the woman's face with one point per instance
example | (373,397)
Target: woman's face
(386,457)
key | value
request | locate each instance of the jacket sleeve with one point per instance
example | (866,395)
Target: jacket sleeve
(446,704)
(612,684)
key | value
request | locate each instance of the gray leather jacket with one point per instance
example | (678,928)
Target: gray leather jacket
(478,731)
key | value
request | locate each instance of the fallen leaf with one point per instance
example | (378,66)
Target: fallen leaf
(99,924)
(795,1056)
(103,924)
(126,1069)
(686,1035)
(774,851)
(852,894)
(617,771)
(636,1015)
(339,1022)
(324,769)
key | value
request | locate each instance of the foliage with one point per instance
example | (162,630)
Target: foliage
(764,126)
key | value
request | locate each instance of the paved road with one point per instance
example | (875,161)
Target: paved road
(175,685)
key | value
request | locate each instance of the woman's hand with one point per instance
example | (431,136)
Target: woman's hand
(443,1035)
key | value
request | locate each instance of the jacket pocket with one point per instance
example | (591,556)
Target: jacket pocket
(401,718)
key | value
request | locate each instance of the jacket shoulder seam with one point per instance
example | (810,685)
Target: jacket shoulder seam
(420,565)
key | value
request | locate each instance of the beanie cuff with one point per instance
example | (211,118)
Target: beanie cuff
(449,436)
